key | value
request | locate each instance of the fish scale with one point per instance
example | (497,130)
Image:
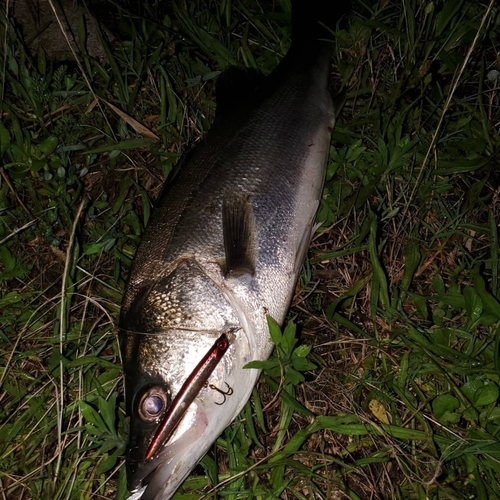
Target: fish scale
(221,252)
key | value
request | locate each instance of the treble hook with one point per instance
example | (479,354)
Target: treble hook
(225,394)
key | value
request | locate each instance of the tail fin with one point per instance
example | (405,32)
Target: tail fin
(314,20)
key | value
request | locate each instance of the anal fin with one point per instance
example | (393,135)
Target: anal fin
(238,227)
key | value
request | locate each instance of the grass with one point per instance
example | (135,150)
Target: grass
(399,297)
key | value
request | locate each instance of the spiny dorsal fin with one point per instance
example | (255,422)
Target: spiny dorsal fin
(238,227)
(236,87)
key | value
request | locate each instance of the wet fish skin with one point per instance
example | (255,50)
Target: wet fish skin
(221,252)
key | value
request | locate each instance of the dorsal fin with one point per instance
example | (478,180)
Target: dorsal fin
(236,87)
(238,227)
(314,20)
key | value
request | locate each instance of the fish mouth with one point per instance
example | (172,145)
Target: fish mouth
(159,477)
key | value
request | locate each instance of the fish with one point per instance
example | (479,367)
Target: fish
(222,252)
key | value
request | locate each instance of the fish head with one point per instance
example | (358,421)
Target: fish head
(164,364)
(152,393)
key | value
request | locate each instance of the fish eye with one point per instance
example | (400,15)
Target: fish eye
(152,404)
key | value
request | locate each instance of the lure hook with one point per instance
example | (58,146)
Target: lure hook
(225,394)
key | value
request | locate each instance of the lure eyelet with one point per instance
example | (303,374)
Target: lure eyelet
(153,404)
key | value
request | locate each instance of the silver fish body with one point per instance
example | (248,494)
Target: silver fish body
(221,252)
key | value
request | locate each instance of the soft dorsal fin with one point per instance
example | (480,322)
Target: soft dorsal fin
(238,227)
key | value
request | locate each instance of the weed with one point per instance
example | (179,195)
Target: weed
(399,298)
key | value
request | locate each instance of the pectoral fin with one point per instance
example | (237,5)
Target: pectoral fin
(238,226)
